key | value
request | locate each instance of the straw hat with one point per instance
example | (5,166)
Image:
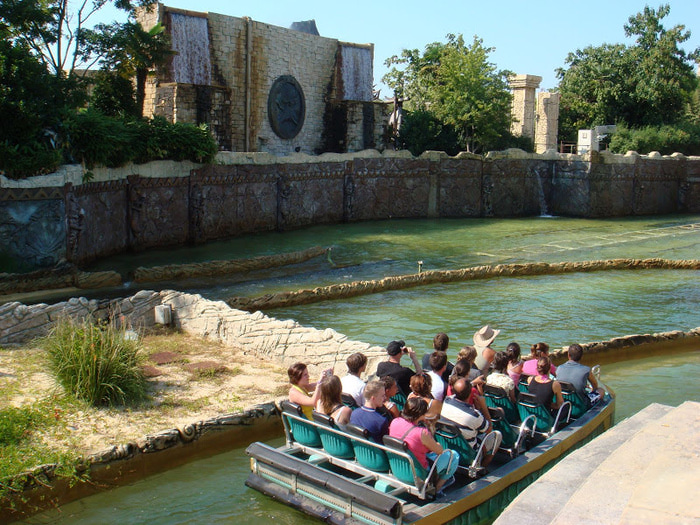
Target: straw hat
(484,337)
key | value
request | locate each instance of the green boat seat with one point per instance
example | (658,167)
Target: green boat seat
(297,427)
(449,436)
(366,454)
(546,422)
(334,440)
(522,383)
(579,406)
(497,397)
(500,423)
(403,464)
(399,400)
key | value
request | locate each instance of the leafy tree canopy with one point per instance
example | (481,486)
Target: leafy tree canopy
(648,83)
(457,85)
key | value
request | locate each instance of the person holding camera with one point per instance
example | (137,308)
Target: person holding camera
(392,366)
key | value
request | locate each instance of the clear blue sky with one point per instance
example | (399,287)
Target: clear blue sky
(529,37)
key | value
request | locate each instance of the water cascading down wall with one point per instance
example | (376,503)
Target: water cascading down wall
(41,225)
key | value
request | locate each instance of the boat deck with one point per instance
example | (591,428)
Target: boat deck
(644,470)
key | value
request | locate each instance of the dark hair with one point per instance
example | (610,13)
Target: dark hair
(437,360)
(441,341)
(462,368)
(355,362)
(500,362)
(331,389)
(513,351)
(544,365)
(295,372)
(539,349)
(421,385)
(414,408)
(575,352)
(388,381)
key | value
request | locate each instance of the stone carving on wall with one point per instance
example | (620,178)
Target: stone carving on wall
(286,107)
(75,219)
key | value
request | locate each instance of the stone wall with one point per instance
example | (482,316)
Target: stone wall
(246,58)
(46,219)
(284,341)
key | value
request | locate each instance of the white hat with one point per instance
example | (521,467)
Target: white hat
(484,337)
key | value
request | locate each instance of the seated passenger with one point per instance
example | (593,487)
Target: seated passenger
(483,339)
(580,376)
(440,344)
(536,351)
(330,403)
(470,421)
(302,392)
(392,366)
(438,366)
(515,364)
(367,415)
(463,370)
(421,386)
(390,389)
(421,442)
(546,391)
(352,384)
(498,376)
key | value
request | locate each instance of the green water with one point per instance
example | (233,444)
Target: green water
(556,309)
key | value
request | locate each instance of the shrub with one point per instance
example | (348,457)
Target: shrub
(683,138)
(96,364)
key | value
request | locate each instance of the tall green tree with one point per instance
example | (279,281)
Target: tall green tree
(648,83)
(130,51)
(457,84)
(54,30)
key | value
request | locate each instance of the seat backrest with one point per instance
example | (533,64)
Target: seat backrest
(449,436)
(348,400)
(405,466)
(527,405)
(498,397)
(366,454)
(522,383)
(500,423)
(334,442)
(301,429)
(579,406)
(399,400)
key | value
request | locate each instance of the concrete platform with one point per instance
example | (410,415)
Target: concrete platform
(644,470)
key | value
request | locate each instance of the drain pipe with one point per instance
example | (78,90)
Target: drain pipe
(248,52)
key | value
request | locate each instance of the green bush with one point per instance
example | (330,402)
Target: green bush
(32,158)
(96,364)
(95,139)
(16,423)
(422,131)
(683,138)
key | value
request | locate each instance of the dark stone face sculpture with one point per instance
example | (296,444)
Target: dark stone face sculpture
(286,107)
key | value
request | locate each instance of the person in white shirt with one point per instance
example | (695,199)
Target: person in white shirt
(438,364)
(352,384)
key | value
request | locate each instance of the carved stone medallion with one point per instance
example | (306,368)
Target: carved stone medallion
(286,107)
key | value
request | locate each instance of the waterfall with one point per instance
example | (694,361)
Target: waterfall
(356,73)
(190,40)
(544,212)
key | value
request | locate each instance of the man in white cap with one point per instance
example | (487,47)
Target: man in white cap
(484,353)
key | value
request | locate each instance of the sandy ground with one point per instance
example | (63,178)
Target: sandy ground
(190,380)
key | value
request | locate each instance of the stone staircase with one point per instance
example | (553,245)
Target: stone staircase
(646,469)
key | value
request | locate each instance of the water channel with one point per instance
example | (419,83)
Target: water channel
(558,309)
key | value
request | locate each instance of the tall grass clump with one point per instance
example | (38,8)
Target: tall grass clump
(96,363)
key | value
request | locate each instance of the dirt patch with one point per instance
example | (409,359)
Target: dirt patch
(203,379)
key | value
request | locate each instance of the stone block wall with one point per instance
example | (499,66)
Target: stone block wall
(40,226)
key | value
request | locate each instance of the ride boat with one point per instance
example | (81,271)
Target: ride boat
(341,476)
